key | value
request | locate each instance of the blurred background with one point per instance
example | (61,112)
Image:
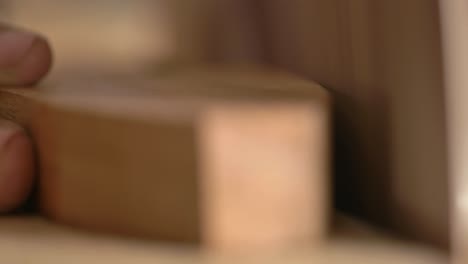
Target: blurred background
(106,35)
(132,36)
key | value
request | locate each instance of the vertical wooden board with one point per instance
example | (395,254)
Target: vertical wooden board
(454,18)
(200,31)
(314,38)
(237,36)
(412,77)
(305,36)
(190,24)
(382,60)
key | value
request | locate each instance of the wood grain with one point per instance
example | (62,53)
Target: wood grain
(229,160)
(382,60)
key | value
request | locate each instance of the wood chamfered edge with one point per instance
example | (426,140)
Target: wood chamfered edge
(264,170)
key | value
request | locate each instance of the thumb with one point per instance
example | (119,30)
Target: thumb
(25,58)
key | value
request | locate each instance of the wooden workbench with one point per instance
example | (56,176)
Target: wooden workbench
(36,240)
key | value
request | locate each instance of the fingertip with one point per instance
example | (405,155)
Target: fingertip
(25,58)
(36,63)
(16,166)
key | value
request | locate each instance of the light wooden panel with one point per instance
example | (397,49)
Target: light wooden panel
(454,21)
(25,240)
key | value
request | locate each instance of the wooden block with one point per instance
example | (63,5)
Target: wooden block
(46,243)
(384,63)
(215,159)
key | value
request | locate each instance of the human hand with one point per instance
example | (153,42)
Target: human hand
(25,58)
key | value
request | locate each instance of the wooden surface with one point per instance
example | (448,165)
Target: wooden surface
(34,240)
(230,160)
(382,61)
(454,18)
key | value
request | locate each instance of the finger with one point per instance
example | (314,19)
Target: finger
(25,57)
(16,166)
